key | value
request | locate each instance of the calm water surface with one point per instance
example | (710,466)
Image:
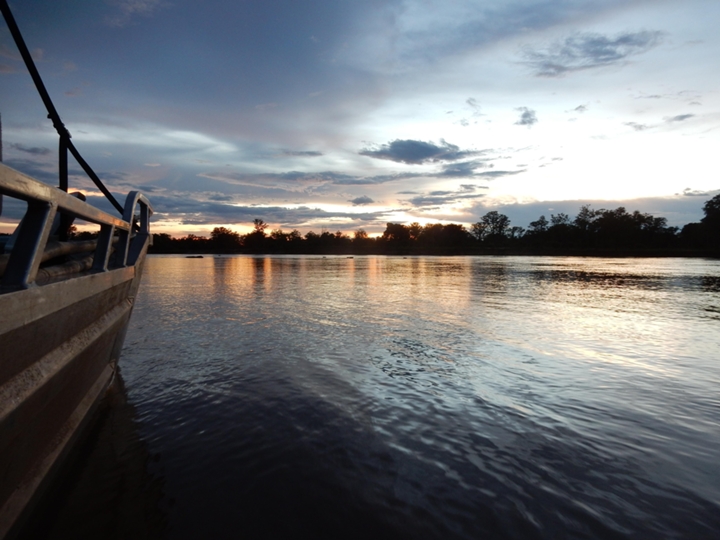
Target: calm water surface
(479,397)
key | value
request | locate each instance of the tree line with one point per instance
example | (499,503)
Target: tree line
(591,231)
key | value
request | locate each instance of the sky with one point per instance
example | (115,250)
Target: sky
(346,115)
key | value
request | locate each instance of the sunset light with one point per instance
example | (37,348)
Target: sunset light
(420,112)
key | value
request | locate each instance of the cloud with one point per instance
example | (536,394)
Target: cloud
(668,120)
(300,153)
(638,127)
(185,207)
(12,53)
(358,201)
(47,174)
(475,106)
(126,10)
(499,174)
(439,198)
(9,53)
(687,192)
(679,118)
(5,68)
(417,152)
(34,150)
(462,169)
(581,108)
(527,117)
(588,51)
(291,180)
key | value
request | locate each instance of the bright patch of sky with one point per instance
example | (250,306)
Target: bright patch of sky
(341,115)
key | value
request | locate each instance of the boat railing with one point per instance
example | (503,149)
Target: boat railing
(126,236)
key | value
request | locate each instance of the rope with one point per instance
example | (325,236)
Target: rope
(52,112)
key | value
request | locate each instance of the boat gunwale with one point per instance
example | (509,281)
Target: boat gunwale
(44,202)
(17,185)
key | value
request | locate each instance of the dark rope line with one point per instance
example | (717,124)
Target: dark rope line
(52,112)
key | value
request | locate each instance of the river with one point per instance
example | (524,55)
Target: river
(420,397)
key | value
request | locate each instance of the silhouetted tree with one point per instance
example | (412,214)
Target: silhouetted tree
(397,238)
(162,243)
(540,225)
(194,244)
(560,219)
(223,240)
(515,233)
(496,226)
(259,226)
(477,230)
(440,239)
(415,229)
(711,222)
(361,242)
(591,231)
(255,242)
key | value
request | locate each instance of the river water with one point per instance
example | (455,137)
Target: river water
(428,397)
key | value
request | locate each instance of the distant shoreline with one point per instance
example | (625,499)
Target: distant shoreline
(507,252)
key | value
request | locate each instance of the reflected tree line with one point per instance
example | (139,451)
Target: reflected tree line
(603,232)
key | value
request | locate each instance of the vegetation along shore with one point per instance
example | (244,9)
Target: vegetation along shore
(591,232)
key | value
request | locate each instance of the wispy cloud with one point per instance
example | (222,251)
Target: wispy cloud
(462,169)
(221,198)
(191,211)
(417,152)
(687,192)
(301,153)
(587,51)
(668,120)
(9,53)
(34,150)
(12,53)
(127,10)
(499,174)
(679,118)
(638,127)
(440,198)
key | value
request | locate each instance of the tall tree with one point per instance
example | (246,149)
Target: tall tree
(496,226)
(223,240)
